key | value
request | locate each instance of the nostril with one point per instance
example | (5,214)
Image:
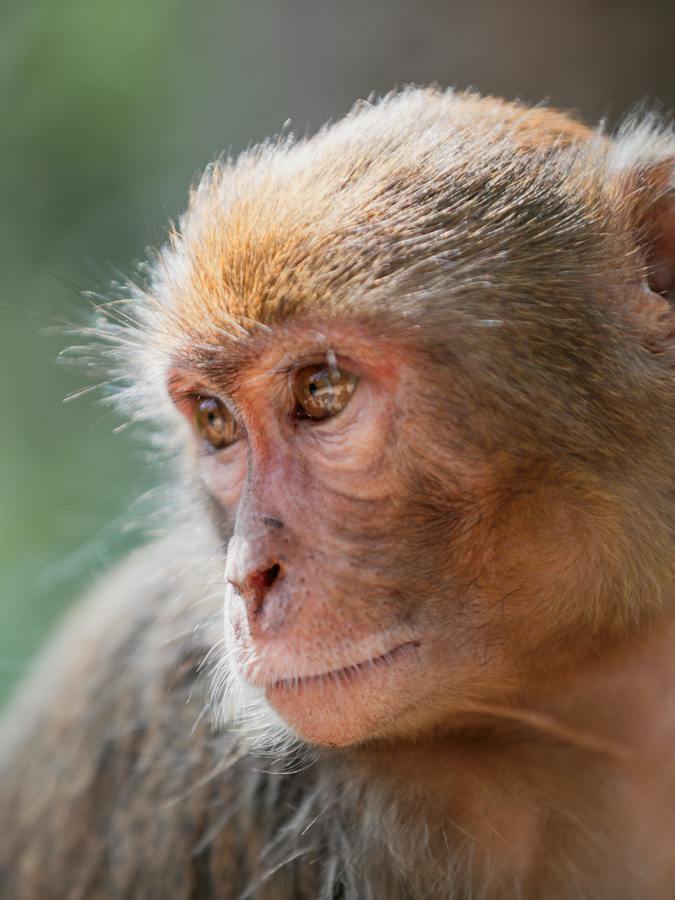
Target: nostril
(259,583)
(267,578)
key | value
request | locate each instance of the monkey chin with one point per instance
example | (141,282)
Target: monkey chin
(353,704)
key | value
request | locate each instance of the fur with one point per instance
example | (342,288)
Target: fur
(134,764)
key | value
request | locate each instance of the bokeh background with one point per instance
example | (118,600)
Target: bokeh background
(108,111)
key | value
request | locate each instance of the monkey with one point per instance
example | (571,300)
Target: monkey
(408,632)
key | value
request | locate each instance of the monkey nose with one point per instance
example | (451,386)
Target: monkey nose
(255,586)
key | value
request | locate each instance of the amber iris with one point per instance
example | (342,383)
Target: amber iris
(323,391)
(215,423)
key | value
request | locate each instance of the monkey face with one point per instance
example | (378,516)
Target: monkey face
(300,443)
(356,587)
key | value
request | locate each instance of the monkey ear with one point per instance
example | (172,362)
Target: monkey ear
(656,230)
(651,185)
(656,238)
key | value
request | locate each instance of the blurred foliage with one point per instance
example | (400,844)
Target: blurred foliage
(108,112)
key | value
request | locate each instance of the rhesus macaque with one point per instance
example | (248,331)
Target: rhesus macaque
(420,371)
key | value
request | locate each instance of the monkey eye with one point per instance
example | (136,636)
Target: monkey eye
(215,423)
(322,391)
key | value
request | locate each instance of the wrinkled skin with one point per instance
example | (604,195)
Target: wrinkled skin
(327,502)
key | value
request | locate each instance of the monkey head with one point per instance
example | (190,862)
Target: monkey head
(421,366)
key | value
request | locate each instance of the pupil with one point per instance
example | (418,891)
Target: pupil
(312,387)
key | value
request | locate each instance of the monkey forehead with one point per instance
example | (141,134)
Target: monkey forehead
(423,191)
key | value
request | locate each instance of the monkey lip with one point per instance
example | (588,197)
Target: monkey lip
(298,680)
(345,673)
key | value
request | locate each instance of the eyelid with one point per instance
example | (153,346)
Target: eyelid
(311,355)
(185,399)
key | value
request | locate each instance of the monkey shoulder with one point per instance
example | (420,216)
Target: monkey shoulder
(113,781)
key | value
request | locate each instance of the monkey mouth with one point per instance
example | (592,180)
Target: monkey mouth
(343,704)
(341,675)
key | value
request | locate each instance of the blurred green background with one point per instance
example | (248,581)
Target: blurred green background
(109,110)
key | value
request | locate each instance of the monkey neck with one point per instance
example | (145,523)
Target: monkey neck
(584,751)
